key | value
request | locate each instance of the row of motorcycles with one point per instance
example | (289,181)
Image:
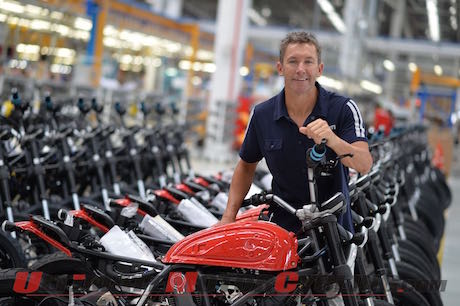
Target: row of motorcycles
(105,214)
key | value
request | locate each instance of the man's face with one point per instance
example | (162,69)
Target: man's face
(300,68)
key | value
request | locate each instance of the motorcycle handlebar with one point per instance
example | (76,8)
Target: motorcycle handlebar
(258,199)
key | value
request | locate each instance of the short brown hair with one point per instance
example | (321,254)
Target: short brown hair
(299,38)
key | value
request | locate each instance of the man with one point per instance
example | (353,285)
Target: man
(283,127)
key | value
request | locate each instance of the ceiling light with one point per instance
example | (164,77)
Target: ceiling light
(209,67)
(83,24)
(412,67)
(370,86)
(57,15)
(256,17)
(196,66)
(2,17)
(433,19)
(244,71)
(389,65)
(126,59)
(38,25)
(335,19)
(437,69)
(110,31)
(185,65)
(330,82)
(13,20)
(326,6)
(111,42)
(33,10)
(23,48)
(12,7)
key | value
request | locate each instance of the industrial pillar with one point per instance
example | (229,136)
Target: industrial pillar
(229,43)
(397,21)
(351,46)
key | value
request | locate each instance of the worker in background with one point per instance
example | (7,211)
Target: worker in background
(383,120)
(282,128)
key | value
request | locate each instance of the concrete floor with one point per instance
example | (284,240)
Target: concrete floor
(451,256)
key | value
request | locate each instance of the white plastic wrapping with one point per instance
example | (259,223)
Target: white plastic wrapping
(220,201)
(196,214)
(130,210)
(118,242)
(157,227)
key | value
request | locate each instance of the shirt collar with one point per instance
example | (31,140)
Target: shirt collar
(319,111)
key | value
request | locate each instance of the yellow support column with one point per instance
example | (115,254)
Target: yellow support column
(99,42)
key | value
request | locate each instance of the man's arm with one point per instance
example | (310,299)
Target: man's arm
(361,160)
(241,182)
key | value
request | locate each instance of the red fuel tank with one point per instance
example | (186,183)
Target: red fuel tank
(252,214)
(255,245)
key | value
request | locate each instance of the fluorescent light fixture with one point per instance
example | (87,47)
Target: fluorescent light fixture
(370,86)
(13,20)
(334,18)
(326,6)
(38,25)
(23,48)
(256,17)
(412,66)
(64,52)
(24,23)
(173,47)
(150,41)
(209,67)
(110,30)
(56,15)
(330,82)
(389,65)
(83,24)
(433,19)
(111,42)
(437,69)
(33,10)
(205,55)
(61,69)
(61,29)
(244,71)
(126,59)
(197,66)
(185,65)
(13,7)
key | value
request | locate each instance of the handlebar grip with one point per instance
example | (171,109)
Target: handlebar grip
(318,151)
(255,200)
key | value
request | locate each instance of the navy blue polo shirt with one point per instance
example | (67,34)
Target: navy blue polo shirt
(273,135)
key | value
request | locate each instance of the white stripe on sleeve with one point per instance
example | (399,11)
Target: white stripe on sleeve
(359,128)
